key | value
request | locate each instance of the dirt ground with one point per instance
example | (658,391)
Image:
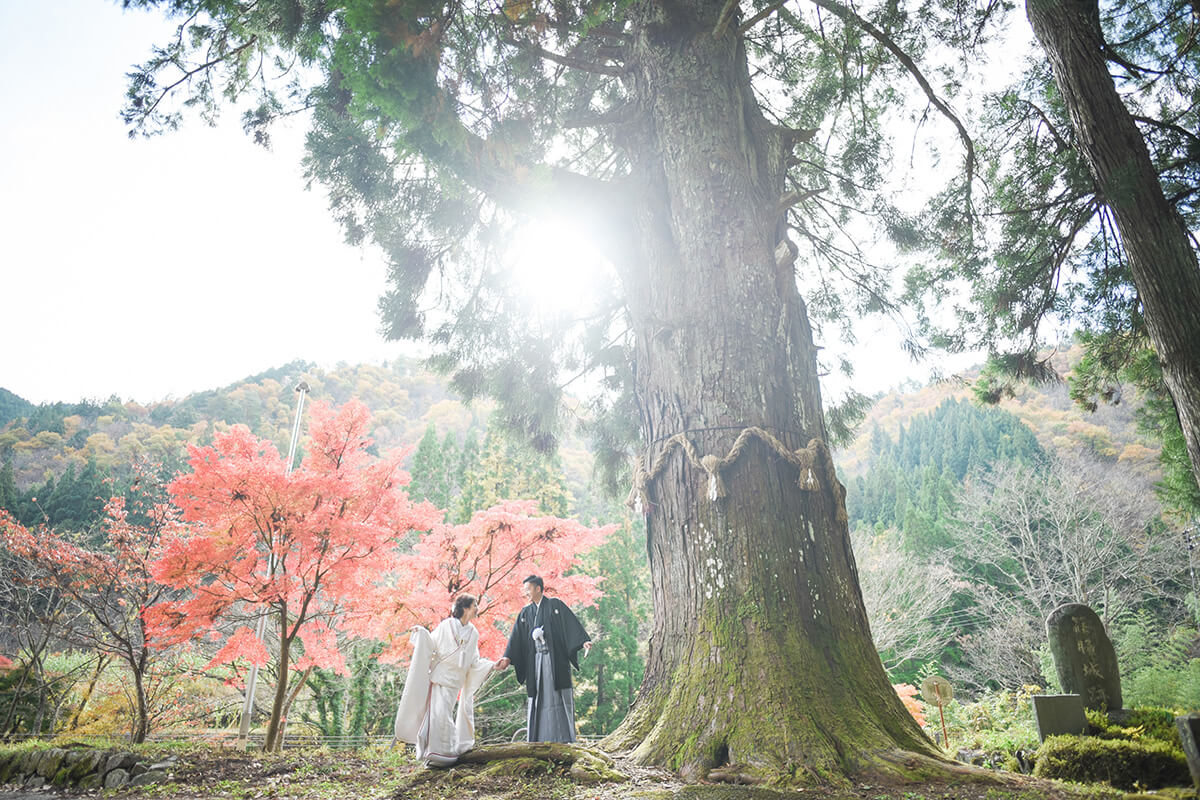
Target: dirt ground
(206,773)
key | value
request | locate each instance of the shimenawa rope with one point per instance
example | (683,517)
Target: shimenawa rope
(807,461)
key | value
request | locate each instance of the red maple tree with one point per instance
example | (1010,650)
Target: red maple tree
(314,549)
(109,586)
(487,557)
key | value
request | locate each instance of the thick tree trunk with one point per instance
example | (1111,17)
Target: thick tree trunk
(1153,234)
(760,654)
(137,665)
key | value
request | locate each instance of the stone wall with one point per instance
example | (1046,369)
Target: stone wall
(81,767)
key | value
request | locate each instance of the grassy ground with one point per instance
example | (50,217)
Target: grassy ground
(205,772)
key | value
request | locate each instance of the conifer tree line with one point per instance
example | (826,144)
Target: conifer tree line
(968,532)
(912,479)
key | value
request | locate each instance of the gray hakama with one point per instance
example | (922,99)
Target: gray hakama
(550,713)
(543,646)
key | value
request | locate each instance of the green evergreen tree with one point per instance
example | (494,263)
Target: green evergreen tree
(612,672)
(508,469)
(428,469)
(470,492)
(8,487)
(447,485)
(327,689)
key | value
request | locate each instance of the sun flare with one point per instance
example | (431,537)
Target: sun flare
(556,269)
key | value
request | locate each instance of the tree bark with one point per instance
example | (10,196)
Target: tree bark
(1155,238)
(281,684)
(287,707)
(101,662)
(142,722)
(760,654)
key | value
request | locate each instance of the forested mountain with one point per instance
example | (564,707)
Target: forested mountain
(972,522)
(916,447)
(912,478)
(912,446)
(61,453)
(1110,432)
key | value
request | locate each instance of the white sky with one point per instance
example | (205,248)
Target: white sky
(155,268)
(147,268)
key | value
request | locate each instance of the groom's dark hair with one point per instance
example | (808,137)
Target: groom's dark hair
(536,580)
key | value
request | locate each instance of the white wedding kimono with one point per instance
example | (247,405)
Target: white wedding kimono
(445,666)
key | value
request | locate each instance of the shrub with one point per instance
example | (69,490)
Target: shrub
(1126,765)
(908,695)
(996,722)
(1156,664)
(1142,724)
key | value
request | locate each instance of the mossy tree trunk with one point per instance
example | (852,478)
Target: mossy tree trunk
(760,653)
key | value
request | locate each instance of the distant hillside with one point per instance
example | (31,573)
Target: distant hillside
(1059,425)
(915,451)
(96,439)
(89,441)
(45,440)
(13,406)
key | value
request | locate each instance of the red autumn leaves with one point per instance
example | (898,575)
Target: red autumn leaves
(327,551)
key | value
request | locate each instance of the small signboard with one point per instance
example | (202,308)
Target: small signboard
(1059,713)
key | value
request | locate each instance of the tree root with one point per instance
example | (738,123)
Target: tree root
(581,764)
(738,774)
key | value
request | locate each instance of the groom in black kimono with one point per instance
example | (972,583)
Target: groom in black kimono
(543,646)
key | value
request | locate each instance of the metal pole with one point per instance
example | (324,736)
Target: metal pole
(261,628)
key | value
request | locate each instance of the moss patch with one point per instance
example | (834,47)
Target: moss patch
(1124,764)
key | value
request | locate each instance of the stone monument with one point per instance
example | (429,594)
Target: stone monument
(1056,714)
(1189,735)
(1084,657)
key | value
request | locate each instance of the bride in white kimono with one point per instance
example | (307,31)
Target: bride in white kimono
(446,666)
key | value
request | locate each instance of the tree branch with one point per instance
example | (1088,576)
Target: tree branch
(1059,141)
(565,60)
(1158,123)
(760,16)
(794,198)
(143,112)
(519,184)
(725,17)
(849,16)
(586,118)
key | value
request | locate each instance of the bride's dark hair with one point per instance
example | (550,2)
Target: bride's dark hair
(462,603)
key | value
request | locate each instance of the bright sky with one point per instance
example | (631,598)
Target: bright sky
(155,268)
(147,268)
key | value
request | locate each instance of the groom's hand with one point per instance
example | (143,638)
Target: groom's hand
(502,664)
